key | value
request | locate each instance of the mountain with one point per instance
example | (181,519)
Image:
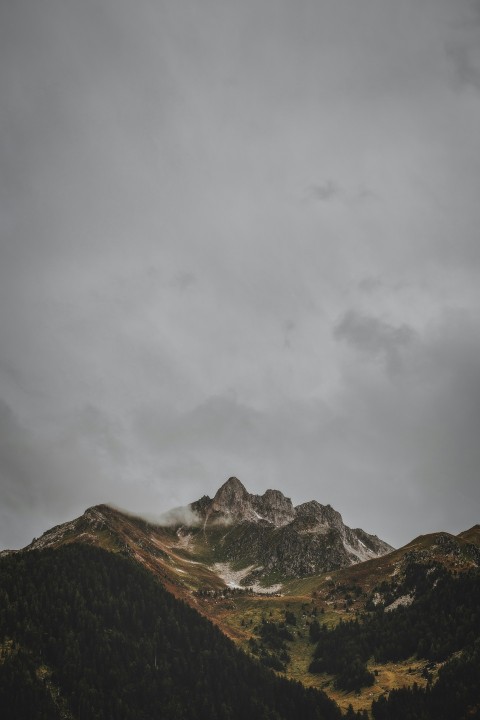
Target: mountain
(382,579)
(235,539)
(270,539)
(245,562)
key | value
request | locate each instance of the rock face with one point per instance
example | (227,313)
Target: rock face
(277,539)
(232,503)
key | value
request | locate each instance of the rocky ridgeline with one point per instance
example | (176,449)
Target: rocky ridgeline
(232,503)
(269,533)
(263,536)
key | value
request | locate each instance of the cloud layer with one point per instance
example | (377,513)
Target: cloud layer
(240,239)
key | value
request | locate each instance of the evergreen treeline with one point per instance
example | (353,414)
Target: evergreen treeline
(22,694)
(343,651)
(119,647)
(271,646)
(455,695)
(444,618)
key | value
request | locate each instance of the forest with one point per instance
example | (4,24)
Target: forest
(442,626)
(88,634)
(455,695)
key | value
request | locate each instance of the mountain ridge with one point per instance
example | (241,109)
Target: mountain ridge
(261,539)
(280,538)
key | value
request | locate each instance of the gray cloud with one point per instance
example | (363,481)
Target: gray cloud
(171,314)
(467,67)
(27,488)
(421,424)
(462,46)
(375,338)
(330,190)
(326,191)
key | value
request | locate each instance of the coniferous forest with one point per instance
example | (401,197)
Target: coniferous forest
(87,634)
(90,635)
(442,623)
(455,696)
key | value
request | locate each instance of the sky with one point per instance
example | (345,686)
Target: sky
(240,238)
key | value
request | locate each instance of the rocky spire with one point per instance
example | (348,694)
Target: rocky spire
(274,507)
(231,499)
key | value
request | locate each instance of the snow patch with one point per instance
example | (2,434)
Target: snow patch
(232,578)
(362,553)
(260,590)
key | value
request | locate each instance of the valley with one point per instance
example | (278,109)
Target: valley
(226,565)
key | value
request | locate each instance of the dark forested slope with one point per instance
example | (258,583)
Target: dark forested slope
(441,625)
(88,634)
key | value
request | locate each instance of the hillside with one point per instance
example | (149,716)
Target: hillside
(208,564)
(88,634)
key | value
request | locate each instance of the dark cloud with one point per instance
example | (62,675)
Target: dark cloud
(326,191)
(420,425)
(45,476)
(466,65)
(184,280)
(462,47)
(24,477)
(330,190)
(171,314)
(376,338)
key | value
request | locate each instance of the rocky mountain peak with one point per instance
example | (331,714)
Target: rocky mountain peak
(231,488)
(314,515)
(231,498)
(276,498)
(233,503)
(274,507)
(305,539)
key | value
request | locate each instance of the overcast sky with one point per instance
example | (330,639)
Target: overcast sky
(240,238)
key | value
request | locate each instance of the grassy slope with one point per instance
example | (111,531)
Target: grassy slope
(238,616)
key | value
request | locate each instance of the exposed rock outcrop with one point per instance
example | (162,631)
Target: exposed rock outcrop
(277,538)
(233,503)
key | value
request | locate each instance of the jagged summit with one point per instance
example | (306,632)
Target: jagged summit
(239,538)
(233,484)
(230,497)
(233,503)
(264,535)
(272,535)
(316,516)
